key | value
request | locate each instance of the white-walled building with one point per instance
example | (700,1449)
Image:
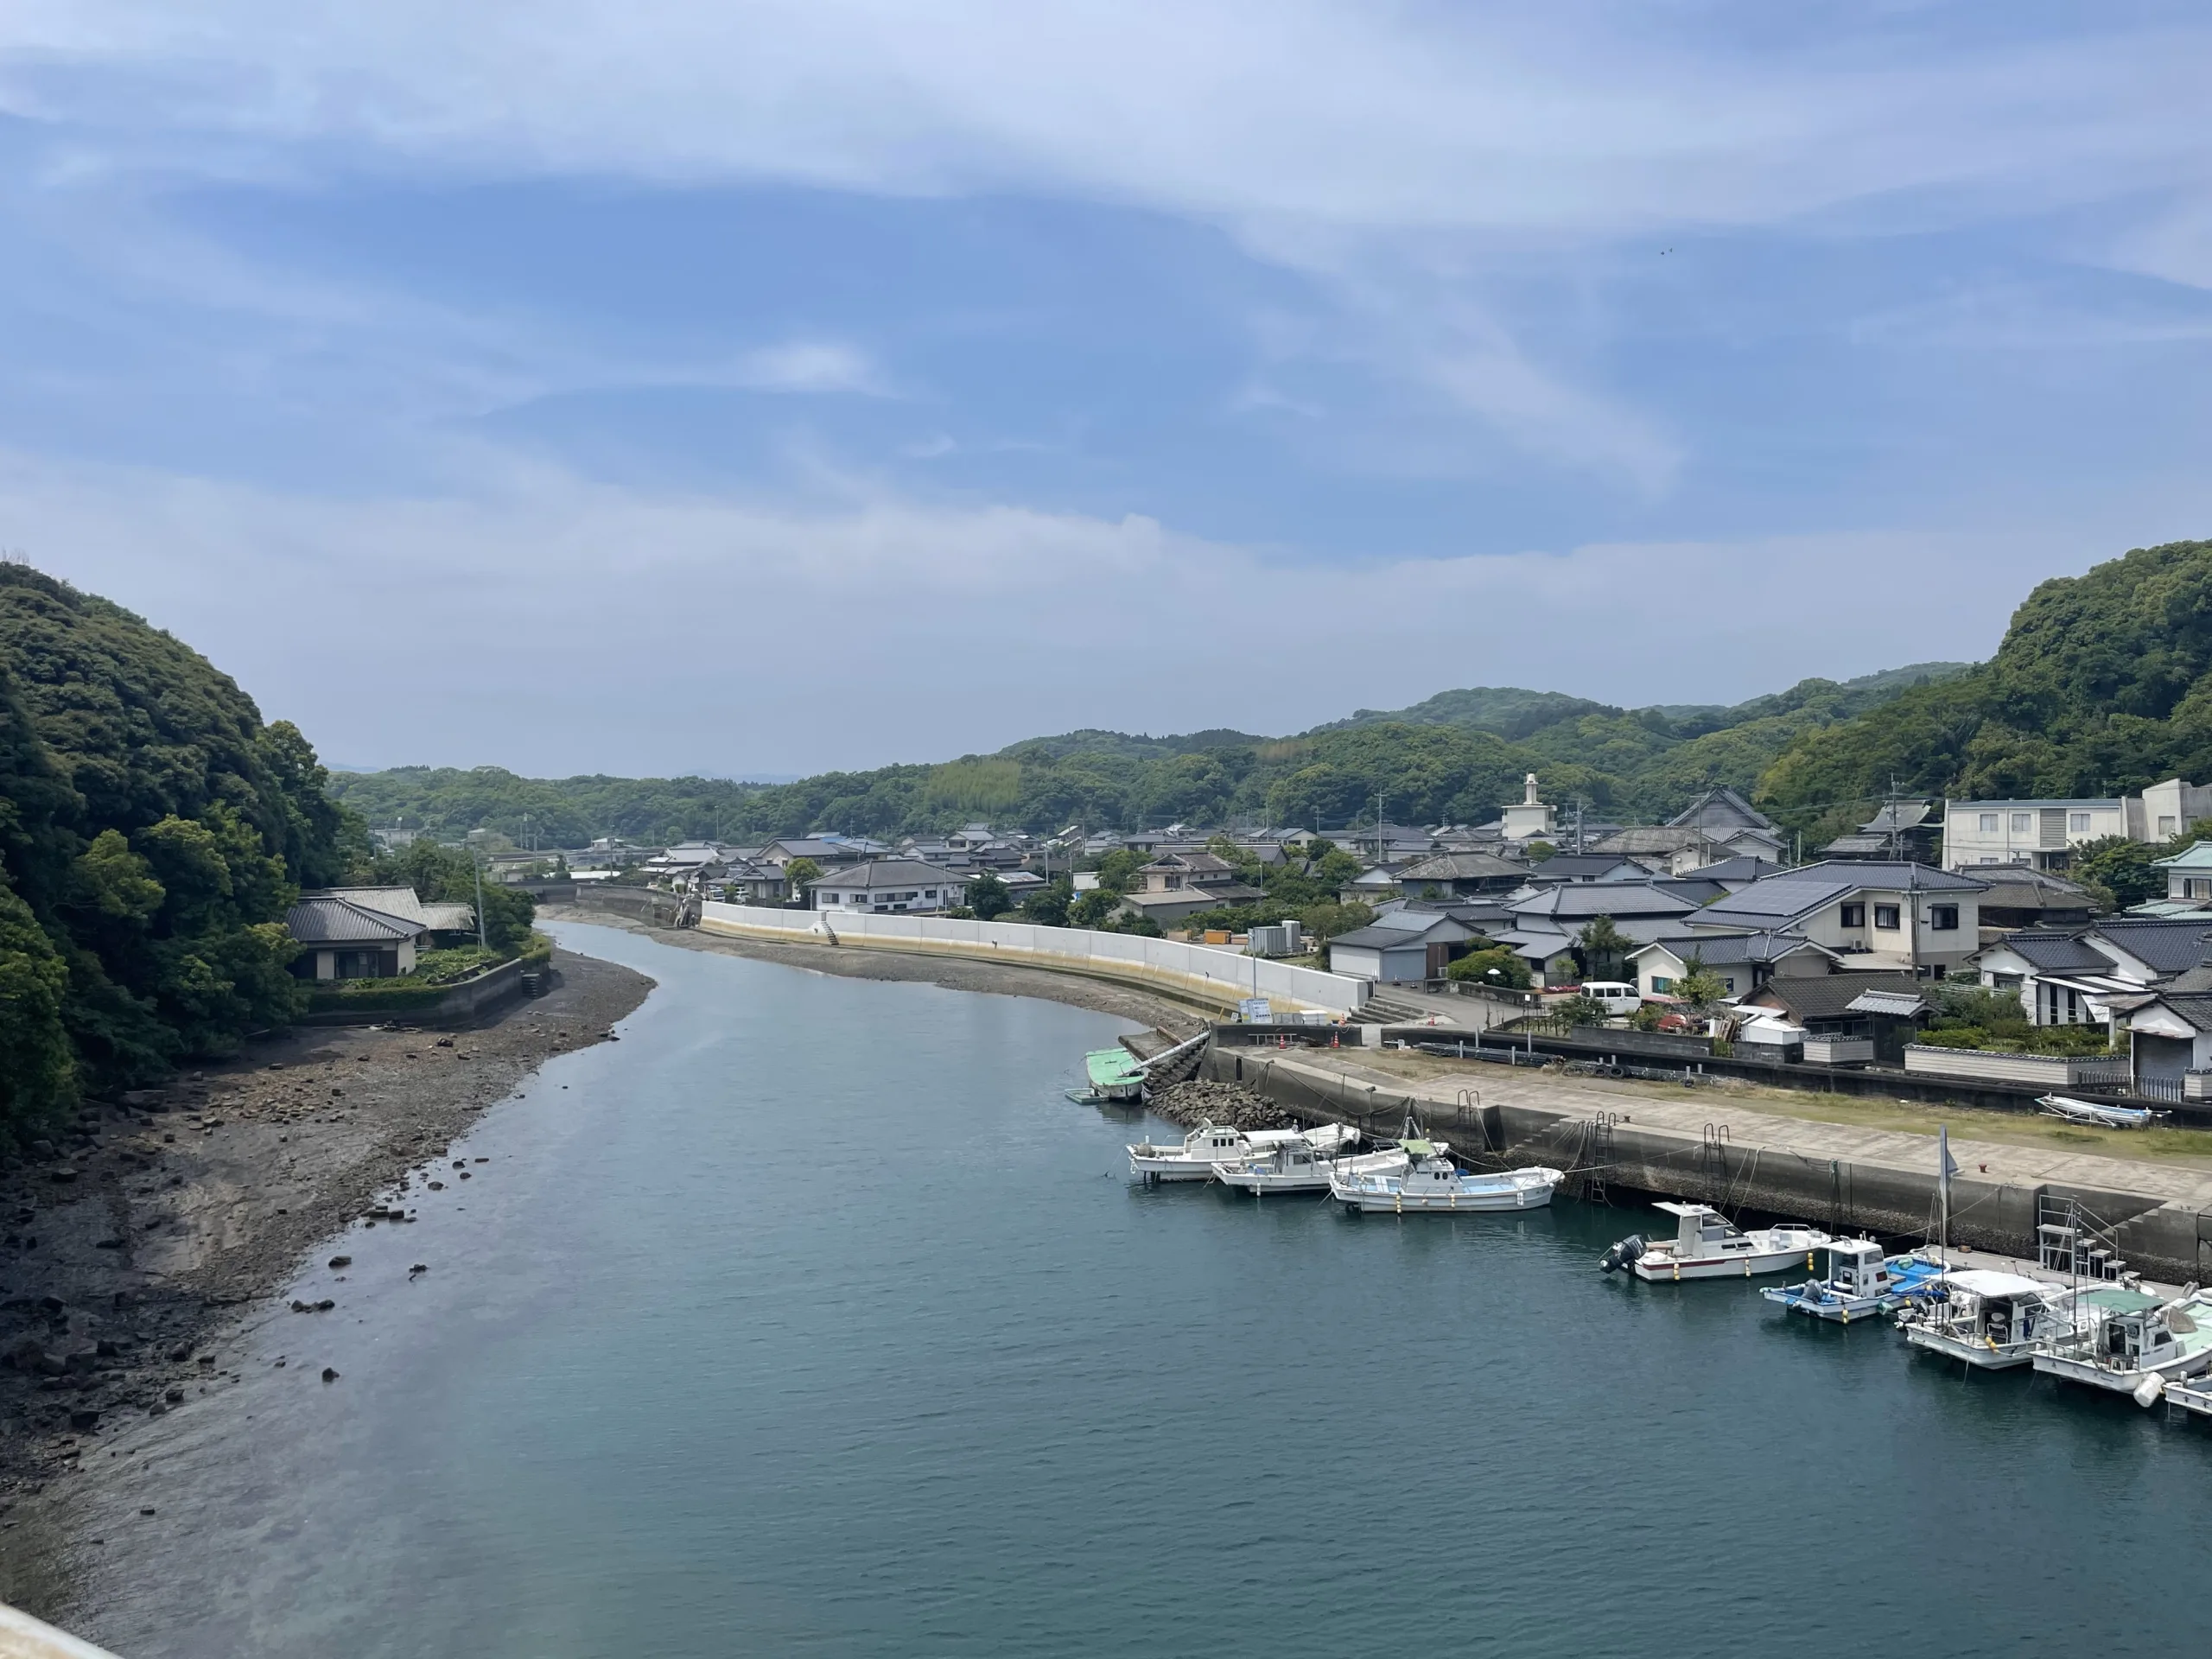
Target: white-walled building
(2044,833)
(1905,917)
(888,886)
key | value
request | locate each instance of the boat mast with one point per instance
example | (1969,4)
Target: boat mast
(1944,1168)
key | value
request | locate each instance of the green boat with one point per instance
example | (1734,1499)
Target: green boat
(1116,1076)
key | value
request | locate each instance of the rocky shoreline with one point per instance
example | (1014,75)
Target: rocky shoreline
(129,1241)
(1226,1105)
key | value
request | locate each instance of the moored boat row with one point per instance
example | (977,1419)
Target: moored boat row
(1413,1175)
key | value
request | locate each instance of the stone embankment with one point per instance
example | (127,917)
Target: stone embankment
(1229,1105)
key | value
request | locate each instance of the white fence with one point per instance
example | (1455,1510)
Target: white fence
(1218,975)
(2049,1071)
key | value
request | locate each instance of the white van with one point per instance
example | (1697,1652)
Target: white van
(1615,996)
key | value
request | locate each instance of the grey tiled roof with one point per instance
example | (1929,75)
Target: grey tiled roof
(2165,947)
(341,921)
(1829,996)
(889,873)
(2057,953)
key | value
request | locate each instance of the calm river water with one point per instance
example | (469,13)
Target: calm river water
(811,1319)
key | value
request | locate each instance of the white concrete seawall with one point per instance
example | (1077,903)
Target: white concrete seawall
(22,1637)
(1209,973)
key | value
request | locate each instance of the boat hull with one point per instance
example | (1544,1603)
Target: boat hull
(1838,1310)
(1659,1265)
(1498,1193)
(1977,1351)
(2068,1369)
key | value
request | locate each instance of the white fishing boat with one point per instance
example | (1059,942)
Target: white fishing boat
(1210,1144)
(1708,1245)
(1301,1168)
(2096,1113)
(2135,1344)
(1993,1320)
(1861,1280)
(1432,1182)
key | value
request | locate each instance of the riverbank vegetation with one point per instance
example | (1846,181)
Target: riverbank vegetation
(153,832)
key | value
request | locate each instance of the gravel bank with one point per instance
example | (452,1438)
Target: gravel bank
(123,1249)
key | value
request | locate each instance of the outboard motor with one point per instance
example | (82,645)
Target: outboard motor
(1624,1254)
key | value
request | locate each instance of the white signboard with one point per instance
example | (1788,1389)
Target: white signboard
(1254,1010)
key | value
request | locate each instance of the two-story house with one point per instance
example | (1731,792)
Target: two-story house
(888,887)
(1875,916)
(2045,834)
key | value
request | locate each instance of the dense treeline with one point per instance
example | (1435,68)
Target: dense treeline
(153,832)
(2103,685)
(1456,758)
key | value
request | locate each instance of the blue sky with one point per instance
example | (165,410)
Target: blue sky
(761,388)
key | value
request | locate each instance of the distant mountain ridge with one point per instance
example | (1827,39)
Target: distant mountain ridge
(1516,714)
(1456,757)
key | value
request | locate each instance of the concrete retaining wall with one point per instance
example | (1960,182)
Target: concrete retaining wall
(1206,973)
(2163,1240)
(457,1006)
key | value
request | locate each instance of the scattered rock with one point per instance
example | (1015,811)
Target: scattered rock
(341,1261)
(179,1355)
(420,1266)
(1229,1105)
(84,1420)
(329,1375)
(64,1176)
(175,1396)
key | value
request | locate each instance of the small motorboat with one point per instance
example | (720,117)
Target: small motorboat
(1992,1320)
(2099,1115)
(1708,1245)
(1116,1079)
(1432,1182)
(1209,1144)
(1298,1167)
(1860,1281)
(2135,1344)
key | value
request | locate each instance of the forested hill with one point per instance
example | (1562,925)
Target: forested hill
(2103,684)
(153,832)
(1457,758)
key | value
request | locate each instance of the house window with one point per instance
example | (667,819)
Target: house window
(1944,918)
(1854,916)
(1989,823)
(1728,985)
(931,894)
(1661,984)
(1988,858)
(2076,820)
(2022,821)
(1885,916)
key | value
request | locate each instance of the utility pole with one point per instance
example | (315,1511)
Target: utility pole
(476,866)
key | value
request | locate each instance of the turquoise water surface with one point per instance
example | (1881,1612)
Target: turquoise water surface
(811,1319)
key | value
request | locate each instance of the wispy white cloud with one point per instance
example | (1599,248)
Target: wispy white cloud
(787,627)
(1589,116)
(811,365)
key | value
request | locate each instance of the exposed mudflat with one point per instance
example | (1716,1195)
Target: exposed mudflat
(124,1248)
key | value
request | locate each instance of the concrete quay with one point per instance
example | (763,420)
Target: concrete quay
(1709,1146)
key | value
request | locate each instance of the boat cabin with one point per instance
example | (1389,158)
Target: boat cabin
(1999,1308)
(1431,1171)
(1857,1267)
(2142,1340)
(1703,1232)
